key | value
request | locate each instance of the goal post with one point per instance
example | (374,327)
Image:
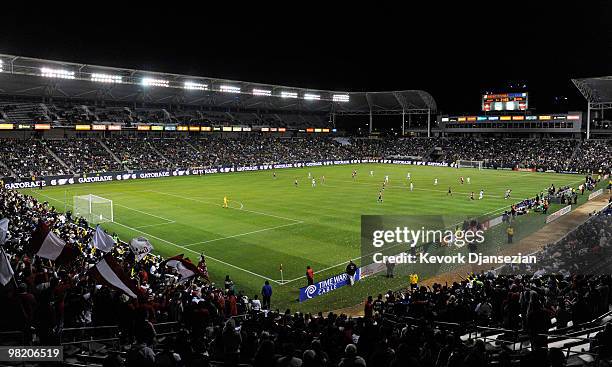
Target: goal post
(95,209)
(469,164)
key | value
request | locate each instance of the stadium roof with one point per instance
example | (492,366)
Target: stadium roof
(25,76)
(595,90)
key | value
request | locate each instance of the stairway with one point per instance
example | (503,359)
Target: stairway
(61,162)
(110,152)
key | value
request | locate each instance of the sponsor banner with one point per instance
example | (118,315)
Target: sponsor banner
(556,215)
(595,194)
(11,183)
(326,286)
(524,169)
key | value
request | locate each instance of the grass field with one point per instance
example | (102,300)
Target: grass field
(270,221)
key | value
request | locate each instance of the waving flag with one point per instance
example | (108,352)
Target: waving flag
(141,247)
(46,244)
(102,241)
(6,271)
(109,273)
(184,267)
(3,230)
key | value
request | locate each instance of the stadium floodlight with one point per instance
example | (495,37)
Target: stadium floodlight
(106,78)
(262,92)
(312,97)
(195,86)
(340,97)
(57,73)
(285,94)
(229,89)
(155,82)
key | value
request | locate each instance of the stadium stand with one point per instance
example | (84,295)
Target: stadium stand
(485,319)
(36,157)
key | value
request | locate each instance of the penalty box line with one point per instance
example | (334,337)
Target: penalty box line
(181,247)
(244,234)
(198,253)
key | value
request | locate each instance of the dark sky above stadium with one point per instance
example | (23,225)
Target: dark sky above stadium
(455,51)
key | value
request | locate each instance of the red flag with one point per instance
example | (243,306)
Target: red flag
(46,244)
(109,273)
(183,266)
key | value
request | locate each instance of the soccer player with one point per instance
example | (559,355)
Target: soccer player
(450,191)
(309,175)
(472,195)
(371,173)
(225,202)
(435,182)
(461,179)
(295,183)
(323,180)
(314,183)
(354,175)
(386,178)
(408,176)
(468,180)
(481,194)
(411,186)
(507,195)
(380,197)
(274,174)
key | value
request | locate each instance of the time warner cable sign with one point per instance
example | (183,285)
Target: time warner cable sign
(327,285)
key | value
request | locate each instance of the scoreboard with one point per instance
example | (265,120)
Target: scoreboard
(504,102)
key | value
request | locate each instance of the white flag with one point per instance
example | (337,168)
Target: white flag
(140,246)
(6,272)
(102,241)
(3,230)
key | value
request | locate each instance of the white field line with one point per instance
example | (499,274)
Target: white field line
(241,208)
(243,234)
(198,253)
(181,247)
(146,213)
(155,225)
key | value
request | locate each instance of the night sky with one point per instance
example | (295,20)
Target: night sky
(454,51)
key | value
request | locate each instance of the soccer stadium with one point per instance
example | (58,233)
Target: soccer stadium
(153,218)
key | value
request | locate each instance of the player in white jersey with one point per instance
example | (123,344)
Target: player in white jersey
(386,179)
(411,186)
(481,196)
(371,173)
(314,183)
(408,176)
(435,181)
(309,175)
(468,180)
(507,195)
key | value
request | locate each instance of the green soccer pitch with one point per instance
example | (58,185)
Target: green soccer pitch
(271,221)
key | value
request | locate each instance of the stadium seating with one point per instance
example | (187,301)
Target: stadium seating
(485,319)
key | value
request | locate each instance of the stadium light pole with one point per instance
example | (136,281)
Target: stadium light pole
(588,130)
(370,121)
(403,121)
(429,123)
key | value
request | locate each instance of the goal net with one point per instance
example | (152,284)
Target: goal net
(469,164)
(95,209)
